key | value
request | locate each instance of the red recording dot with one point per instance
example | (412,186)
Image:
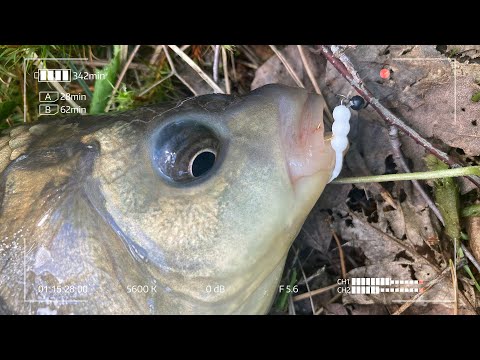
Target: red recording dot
(384,73)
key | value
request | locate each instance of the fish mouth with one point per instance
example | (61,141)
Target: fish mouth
(306,151)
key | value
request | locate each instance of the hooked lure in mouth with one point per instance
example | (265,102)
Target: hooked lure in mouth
(168,209)
(340,130)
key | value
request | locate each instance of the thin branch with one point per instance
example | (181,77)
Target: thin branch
(250,54)
(247,64)
(314,292)
(291,306)
(453,271)
(234,68)
(470,257)
(308,294)
(426,175)
(137,79)
(120,77)
(172,66)
(340,254)
(344,66)
(398,155)
(311,76)
(197,69)
(287,66)
(313,276)
(156,83)
(216,59)
(321,310)
(333,299)
(156,54)
(62,91)
(431,283)
(173,71)
(23,89)
(307,67)
(225,70)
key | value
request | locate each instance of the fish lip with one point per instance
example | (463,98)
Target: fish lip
(302,132)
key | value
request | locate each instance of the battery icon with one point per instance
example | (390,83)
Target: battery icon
(58,75)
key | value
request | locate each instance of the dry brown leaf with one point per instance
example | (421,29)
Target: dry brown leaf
(316,232)
(273,71)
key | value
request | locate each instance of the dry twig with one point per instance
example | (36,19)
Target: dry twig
(173,72)
(225,71)
(156,54)
(307,67)
(470,257)
(308,294)
(344,66)
(197,69)
(453,271)
(398,155)
(287,66)
(314,292)
(216,59)
(340,253)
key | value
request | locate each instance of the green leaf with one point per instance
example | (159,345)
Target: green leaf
(476,97)
(472,210)
(124,98)
(80,80)
(6,109)
(104,83)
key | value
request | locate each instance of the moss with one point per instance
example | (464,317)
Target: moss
(446,197)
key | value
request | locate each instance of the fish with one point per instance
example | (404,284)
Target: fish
(187,207)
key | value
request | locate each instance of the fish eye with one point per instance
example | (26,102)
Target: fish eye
(185,150)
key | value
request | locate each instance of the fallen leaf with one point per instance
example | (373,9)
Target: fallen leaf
(274,72)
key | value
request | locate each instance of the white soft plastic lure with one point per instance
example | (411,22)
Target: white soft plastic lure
(340,130)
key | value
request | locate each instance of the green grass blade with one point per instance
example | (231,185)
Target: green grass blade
(283,298)
(104,83)
(82,82)
(469,272)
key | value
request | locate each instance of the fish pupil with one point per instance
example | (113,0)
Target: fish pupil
(203,162)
